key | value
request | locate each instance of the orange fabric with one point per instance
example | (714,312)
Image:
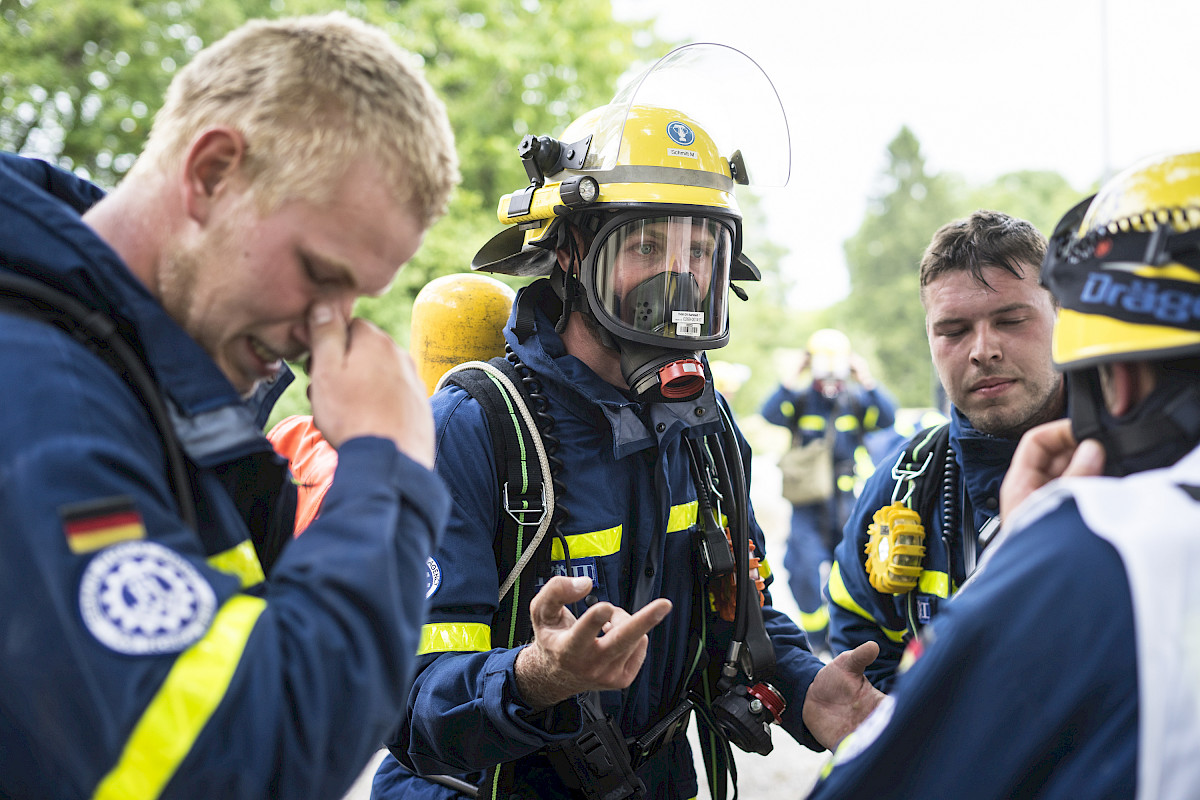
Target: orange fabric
(312,461)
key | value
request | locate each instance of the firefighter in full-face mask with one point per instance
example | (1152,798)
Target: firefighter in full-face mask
(628,616)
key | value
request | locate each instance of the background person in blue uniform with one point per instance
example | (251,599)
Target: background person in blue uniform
(843,401)
(989,324)
(638,280)
(150,646)
(1028,685)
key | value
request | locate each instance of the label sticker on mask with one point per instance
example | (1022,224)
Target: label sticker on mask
(688,323)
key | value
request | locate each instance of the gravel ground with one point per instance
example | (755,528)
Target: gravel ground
(791,769)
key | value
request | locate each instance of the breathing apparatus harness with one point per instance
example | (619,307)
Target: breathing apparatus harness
(734,701)
(96,331)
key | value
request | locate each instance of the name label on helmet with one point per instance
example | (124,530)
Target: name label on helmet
(1140,300)
(673,151)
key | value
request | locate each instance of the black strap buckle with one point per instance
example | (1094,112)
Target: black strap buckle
(646,746)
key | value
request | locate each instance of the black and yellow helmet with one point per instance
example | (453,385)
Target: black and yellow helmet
(1125,264)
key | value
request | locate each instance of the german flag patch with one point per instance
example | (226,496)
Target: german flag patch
(96,524)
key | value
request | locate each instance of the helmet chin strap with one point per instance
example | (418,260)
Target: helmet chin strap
(1160,431)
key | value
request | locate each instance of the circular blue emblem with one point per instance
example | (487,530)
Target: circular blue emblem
(680,133)
(141,598)
(433,577)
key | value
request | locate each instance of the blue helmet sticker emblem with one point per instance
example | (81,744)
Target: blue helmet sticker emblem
(433,577)
(680,133)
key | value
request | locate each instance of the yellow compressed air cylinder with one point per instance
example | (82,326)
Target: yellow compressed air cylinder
(458,318)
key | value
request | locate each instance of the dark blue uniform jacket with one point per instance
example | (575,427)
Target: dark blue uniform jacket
(630,501)
(1027,686)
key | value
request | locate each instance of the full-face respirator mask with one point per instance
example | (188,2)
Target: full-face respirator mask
(657,289)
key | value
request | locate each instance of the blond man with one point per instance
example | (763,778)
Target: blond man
(159,641)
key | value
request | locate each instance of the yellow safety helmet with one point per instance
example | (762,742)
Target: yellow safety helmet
(1125,264)
(829,350)
(653,170)
(678,137)
(645,159)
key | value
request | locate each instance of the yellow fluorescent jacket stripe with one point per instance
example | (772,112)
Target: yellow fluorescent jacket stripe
(840,595)
(451,637)
(181,708)
(240,561)
(608,542)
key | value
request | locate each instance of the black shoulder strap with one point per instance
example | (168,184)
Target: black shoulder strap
(526,498)
(524,508)
(96,331)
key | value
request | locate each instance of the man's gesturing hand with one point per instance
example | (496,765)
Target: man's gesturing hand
(840,697)
(603,649)
(364,384)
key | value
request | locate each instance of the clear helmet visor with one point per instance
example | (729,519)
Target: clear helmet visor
(722,90)
(664,279)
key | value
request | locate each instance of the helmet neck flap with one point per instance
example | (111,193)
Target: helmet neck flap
(1163,428)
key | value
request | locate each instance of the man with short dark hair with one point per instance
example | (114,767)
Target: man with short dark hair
(1066,667)
(989,324)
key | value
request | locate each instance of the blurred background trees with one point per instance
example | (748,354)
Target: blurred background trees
(80,81)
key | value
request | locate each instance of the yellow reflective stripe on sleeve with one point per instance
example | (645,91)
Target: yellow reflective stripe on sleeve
(935,583)
(183,704)
(871,418)
(240,561)
(841,595)
(787,408)
(846,423)
(812,422)
(589,545)
(455,637)
(816,621)
(682,517)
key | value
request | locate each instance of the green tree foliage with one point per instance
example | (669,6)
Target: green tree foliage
(80,81)
(883,314)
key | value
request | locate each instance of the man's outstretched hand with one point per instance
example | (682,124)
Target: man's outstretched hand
(840,697)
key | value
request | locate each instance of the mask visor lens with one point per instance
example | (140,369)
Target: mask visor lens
(667,276)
